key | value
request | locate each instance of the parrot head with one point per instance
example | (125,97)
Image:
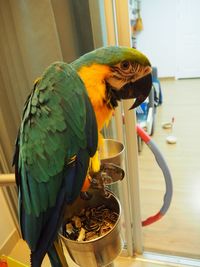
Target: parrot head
(126,73)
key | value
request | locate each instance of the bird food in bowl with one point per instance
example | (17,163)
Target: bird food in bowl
(90,223)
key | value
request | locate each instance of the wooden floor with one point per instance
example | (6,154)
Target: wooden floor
(21,254)
(179,231)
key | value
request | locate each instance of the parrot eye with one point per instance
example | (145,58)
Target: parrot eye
(125,65)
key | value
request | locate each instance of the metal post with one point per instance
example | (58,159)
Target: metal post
(7,179)
(112,38)
(124,39)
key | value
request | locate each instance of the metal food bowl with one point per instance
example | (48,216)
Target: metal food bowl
(100,251)
(111,152)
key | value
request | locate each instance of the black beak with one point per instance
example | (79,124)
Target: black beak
(139,90)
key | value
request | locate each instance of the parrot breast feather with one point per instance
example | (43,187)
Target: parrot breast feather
(57,122)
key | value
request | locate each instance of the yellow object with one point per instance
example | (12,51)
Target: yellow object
(138,25)
(37,80)
(12,262)
(95,162)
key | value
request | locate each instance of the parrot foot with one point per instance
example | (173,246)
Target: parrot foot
(85,195)
(109,173)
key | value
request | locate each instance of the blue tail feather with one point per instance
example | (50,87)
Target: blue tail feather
(51,220)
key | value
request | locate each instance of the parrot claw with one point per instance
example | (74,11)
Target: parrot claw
(85,195)
(109,173)
(112,172)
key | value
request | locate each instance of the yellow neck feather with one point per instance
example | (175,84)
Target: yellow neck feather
(94,80)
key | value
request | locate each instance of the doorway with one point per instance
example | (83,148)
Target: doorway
(178,232)
(170,38)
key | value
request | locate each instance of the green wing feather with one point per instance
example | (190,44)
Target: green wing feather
(51,132)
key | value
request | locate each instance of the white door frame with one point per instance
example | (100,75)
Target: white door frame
(118,22)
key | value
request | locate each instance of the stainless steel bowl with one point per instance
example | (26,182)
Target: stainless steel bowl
(100,251)
(111,152)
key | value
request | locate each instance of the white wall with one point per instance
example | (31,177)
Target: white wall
(157,40)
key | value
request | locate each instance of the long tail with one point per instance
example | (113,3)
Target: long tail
(67,194)
(55,254)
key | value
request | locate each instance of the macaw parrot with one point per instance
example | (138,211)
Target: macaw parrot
(59,135)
